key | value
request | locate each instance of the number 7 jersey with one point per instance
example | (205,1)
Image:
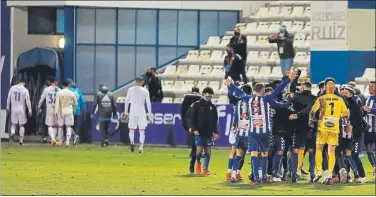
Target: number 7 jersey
(331,109)
(49,94)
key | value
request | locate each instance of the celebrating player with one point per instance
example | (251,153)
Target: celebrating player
(332,108)
(370,135)
(49,94)
(17,97)
(137,96)
(65,103)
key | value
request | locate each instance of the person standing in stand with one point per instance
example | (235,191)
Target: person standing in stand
(153,84)
(239,43)
(233,64)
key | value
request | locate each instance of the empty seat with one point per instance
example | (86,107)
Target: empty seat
(307,12)
(181,70)
(224,42)
(215,86)
(205,71)
(253,57)
(274,13)
(369,75)
(214,101)
(304,71)
(218,72)
(297,26)
(186,87)
(307,28)
(274,58)
(288,25)
(193,71)
(204,55)
(307,43)
(202,84)
(178,85)
(300,58)
(224,88)
(167,100)
(252,72)
(212,41)
(276,73)
(178,100)
(214,58)
(299,40)
(274,27)
(250,28)
(262,13)
(251,41)
(168,72)
(285,12)
(296,13)
(192,55)
(167,85)
(263,42)
(264,56)
(222,100)
(263,75)
(262,28)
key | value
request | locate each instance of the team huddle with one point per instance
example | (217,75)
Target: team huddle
(59,103)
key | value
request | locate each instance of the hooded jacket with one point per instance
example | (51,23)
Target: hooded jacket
(80,98)
(106,104)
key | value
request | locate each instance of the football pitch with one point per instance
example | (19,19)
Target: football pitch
(35,169)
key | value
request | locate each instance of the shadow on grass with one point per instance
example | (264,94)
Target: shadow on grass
(190,175)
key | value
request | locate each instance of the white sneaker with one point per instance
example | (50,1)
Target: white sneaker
(374,174)
(260,173)
(326,173)
(275,179)
(364,180)
(343,175)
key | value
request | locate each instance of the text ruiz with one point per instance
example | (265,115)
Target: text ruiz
(329,26)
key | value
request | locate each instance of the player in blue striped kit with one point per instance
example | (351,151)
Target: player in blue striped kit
(259,107)
(370,134)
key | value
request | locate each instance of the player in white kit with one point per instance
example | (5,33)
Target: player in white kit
(65,103)
(18,97)
(49,95)
(137,96)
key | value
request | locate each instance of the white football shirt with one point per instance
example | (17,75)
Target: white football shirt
(18,99)
(137,96)
(49,94)
(65,101)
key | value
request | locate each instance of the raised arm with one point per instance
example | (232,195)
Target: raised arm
(272,39)
(274,104)
(238,92)
(279,89)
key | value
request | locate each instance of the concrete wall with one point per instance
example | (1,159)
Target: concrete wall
(21,41)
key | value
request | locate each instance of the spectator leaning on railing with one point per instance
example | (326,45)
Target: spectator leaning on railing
(285,48)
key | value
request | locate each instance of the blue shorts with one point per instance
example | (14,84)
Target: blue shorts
(257,141)
(345,144)
(203,141)
(299,140)
(241,142)
(311,141)
(277,142)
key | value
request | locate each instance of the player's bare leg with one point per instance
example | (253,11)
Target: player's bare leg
(60,135)
(52,134)
(22,133)
(142,141)
(240,166)
(69,134)
(12,132)
(230,162)
(131,139)
(207,152)
(332,161)
(318,159)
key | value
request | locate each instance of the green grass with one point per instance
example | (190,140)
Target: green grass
(90,170)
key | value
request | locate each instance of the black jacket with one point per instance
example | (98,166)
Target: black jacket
(287,44)
(240,45)
(360,95)
(356,116)
(301,101)
(204,118)
(153,84)
(236,66)
(106,104)
(189,99)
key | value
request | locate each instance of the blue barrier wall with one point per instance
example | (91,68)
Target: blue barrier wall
(113,46)
(5,51)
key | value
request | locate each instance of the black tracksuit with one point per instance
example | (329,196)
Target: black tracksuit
(240,46)
(235,61)
(154,85)
(204,118)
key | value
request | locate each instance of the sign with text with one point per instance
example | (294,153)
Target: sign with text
(329,22)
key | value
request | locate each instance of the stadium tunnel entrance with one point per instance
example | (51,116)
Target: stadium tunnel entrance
(35,66)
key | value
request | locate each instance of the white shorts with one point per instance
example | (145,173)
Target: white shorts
(51,120)
(18,117)
(137,121)
(65,120)
(232,137)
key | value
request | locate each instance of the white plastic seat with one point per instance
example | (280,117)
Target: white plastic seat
(204,55)
(169,72)
(222,100)
(297,26)
(274,58)
(307,28)
(252,72)
(361,87)
(186,87)
(296,13)
(301,3)
(193,71)
(307,43)
(285,12)
(251,41)
(288,25)
(263,75)
(215,86)
(276,73)
(167,100)
(181,70)
(264,57)
(299,40)
(262,28)
(262,13)
(168,86)
(263,42)
(178,100)
(205,71)
(300,57)
(253,57)
(224,42)
(307,12)
(274,27)
(212,41)
(202,84)
(178,85)
(368,75)
(307,60)
(274,13)
(192,55)
(241,27)
(250,28)
(218,72)
(304,71)
(214,58)
(223,89)
(214,101)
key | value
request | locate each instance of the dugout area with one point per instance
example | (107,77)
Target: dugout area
(35,66)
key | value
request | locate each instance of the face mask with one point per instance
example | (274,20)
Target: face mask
(229,52)
(207,98)
(237,33)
